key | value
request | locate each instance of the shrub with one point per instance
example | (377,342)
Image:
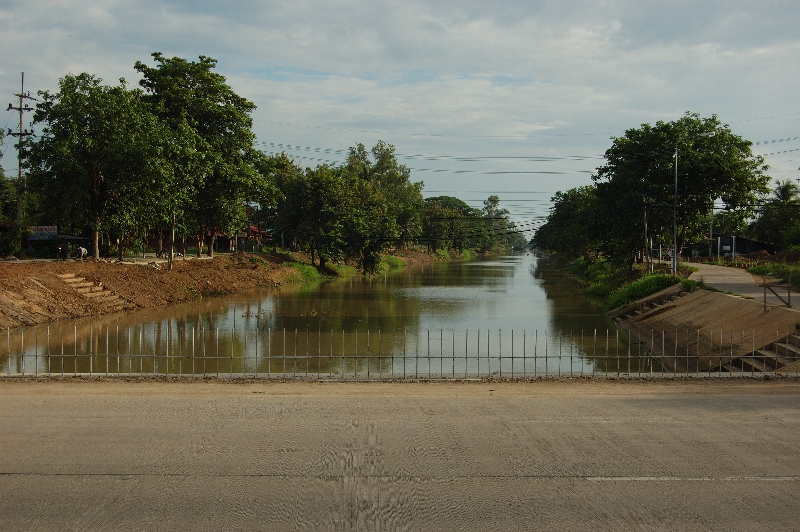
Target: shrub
(783,271)
(641,288)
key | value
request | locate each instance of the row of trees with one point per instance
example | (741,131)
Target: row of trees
(631,202)
(178,152)
(368,204)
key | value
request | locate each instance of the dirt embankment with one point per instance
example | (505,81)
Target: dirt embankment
(40,292)
(680,328)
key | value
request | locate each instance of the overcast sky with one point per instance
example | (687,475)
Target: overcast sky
(465,91)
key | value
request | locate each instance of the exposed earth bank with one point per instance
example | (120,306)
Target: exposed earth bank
(40,292)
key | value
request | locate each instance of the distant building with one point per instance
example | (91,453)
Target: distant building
(726,246)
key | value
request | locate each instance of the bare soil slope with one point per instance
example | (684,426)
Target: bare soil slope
(40,292)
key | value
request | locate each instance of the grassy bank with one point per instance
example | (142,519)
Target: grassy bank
(781,271)
(613,287)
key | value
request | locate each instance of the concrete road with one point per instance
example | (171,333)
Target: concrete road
(736,281)
(684,455)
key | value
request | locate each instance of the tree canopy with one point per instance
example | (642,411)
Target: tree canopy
(179,152)
(636,187)
(97,157)
(211,125)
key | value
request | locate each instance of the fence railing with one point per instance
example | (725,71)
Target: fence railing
(393,355)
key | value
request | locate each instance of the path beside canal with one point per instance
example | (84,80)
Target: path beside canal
(577,455)
(735,281)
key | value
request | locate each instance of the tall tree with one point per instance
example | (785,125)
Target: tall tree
(8,201)
(448,222)
(571,226)
(392,180)
(637,183)
(311,211)
(222,173)
(96,158)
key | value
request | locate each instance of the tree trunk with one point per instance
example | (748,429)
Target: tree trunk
(119,248)
(322,260)
(171,257)
(160,241)
(199,244)
(95,243)
(211,244)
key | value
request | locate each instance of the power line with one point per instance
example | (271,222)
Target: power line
(529,158)
(759,143)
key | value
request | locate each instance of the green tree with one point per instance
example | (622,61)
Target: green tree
(8,194)
(97,158)
(392,180)
(637,183)
(449,222)
(778,216)
(571,226)
(500,231)
(311,211)
(221,170)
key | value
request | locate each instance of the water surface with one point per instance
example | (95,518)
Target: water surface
(506,315)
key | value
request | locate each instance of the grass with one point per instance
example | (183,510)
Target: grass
(780,270)
(640,288)
(342,270)
(443,254)
(392,262)
(307,273)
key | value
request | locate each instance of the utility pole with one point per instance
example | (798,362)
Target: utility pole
(22,108)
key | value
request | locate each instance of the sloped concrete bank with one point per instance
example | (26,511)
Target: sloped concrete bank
(712,331)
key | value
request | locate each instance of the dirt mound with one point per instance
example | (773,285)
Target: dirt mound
(40,292)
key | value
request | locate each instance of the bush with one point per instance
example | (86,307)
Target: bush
(782,271)
(641,288)
(9,243)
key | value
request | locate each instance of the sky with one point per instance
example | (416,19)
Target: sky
(515,98)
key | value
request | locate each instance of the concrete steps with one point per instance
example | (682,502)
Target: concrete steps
(649,306)
(95,292)
(781,355)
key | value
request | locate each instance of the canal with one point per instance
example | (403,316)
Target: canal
(509,316)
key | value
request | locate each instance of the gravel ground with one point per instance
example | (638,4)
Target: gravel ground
(574,455)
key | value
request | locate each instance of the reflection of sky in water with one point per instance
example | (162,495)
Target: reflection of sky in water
(446,293)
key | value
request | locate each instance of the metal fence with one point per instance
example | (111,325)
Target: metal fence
(392,355)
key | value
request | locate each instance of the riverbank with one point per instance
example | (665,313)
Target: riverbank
(42,292)
(706,330)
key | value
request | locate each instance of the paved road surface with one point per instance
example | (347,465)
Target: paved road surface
(734,280)
(685,455)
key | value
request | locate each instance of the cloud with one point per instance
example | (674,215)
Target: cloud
(516,77)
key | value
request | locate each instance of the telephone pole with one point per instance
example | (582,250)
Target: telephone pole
(22,108)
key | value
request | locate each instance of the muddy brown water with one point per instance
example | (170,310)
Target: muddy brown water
(505,316)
